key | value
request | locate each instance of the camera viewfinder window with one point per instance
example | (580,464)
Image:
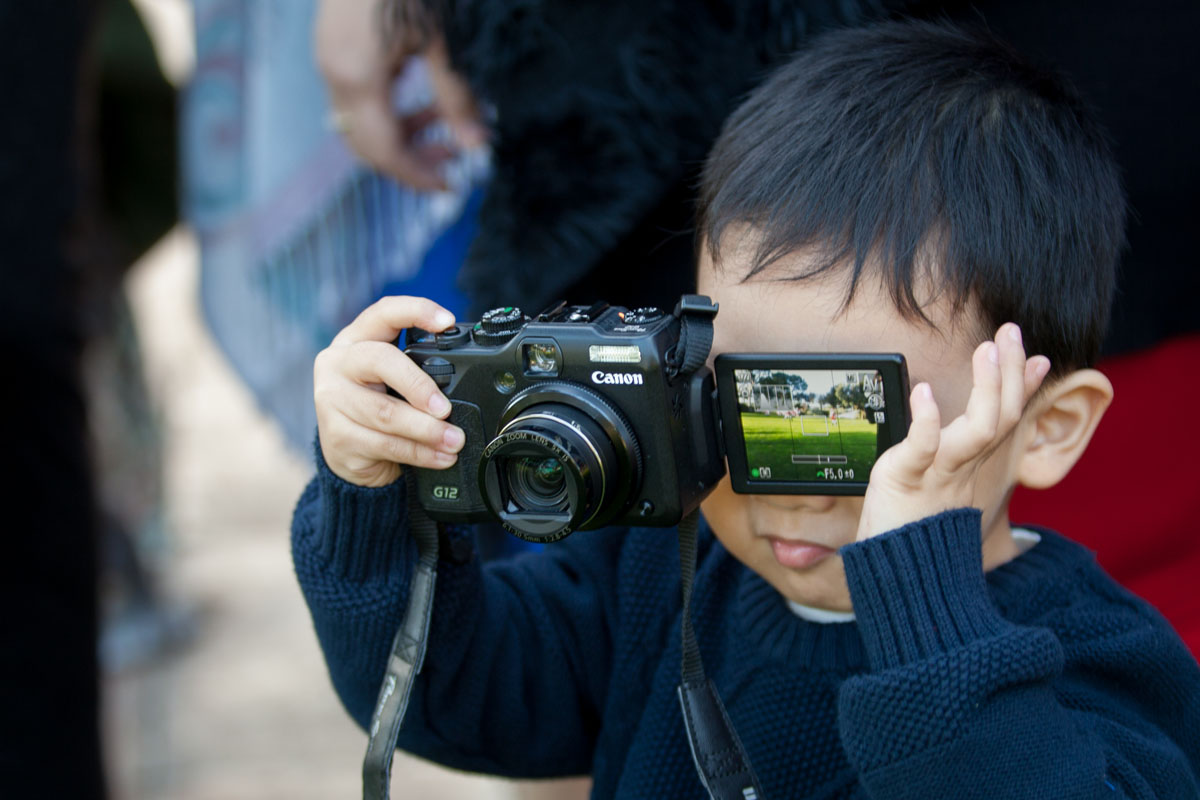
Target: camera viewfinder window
(810,424)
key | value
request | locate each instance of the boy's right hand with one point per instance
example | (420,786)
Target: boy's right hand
(365,433)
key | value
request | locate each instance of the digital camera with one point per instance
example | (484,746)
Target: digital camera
(581,417)
(587,416)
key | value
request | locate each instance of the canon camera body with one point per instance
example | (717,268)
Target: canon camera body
(581,417)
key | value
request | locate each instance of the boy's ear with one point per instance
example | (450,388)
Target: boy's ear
(1060,423)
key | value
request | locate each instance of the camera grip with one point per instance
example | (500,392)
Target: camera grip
(452,494)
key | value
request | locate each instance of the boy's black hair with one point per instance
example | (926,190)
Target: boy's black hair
(939,152)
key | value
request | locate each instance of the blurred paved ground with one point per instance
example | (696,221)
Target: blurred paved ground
(246,710)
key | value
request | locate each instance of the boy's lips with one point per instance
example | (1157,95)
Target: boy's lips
(798,554)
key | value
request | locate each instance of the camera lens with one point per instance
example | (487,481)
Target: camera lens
(564,459)
(537,482)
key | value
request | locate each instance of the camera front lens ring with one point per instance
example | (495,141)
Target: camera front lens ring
(547,472)
(588,438)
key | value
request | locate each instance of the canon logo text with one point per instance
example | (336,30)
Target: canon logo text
(626,378)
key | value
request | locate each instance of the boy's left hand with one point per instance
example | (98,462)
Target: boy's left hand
(935,469)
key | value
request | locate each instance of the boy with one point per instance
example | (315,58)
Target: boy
(904,188)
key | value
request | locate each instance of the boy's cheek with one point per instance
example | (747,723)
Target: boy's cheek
(721,509)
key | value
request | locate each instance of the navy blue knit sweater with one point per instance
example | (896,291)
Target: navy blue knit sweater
(1042,679)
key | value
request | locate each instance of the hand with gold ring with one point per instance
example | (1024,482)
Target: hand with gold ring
(360,63)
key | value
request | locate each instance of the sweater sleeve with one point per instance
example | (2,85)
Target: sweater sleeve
(1098,700)
(519,652)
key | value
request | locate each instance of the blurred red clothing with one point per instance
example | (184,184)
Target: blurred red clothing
(1134,497)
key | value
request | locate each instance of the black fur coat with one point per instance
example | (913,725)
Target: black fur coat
(604,113)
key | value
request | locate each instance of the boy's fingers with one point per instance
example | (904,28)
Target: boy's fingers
(386,447)
(971,434)
(920,446)
(379,362)
(983,406)
(383,320)
(387,414)
(1012,371)
(1036,370)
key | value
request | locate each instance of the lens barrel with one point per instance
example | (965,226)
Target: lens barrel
(564,459)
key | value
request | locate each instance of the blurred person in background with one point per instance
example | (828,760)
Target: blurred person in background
(296,235)
(87,166)
(49,689)
(137,185)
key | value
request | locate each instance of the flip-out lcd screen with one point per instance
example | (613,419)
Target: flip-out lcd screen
(809,424)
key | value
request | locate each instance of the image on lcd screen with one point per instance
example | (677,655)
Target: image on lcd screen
(810,424)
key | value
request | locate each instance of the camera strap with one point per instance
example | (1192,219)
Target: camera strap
(695,313)
(408,652)
(716,749)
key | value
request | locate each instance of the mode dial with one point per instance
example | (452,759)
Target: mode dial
(640,316)
(498,325)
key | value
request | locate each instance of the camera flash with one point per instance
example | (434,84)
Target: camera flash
(615,354)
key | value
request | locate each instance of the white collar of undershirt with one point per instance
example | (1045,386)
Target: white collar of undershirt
(1024,538)
(822,615)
